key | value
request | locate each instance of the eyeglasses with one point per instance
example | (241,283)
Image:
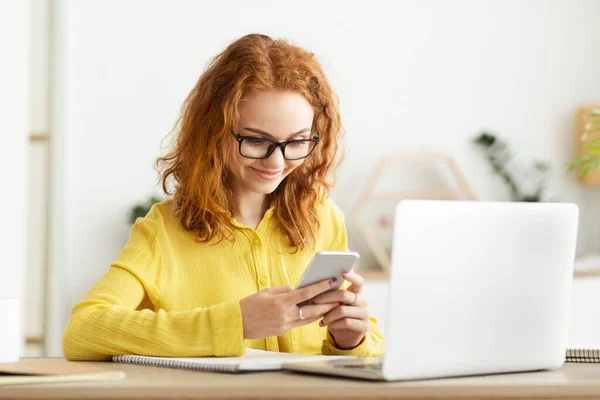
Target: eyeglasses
(259,148)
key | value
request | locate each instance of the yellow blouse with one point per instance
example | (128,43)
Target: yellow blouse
(167,295)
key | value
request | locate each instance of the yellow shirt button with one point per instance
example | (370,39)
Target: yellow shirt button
(264,281)
(256,242)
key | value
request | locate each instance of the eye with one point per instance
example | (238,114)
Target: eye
(298,143)
(255,141)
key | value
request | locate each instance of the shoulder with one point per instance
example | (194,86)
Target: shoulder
(161,217)
(162,227)
(159,211)
(328,211)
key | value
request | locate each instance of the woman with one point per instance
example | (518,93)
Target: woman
(210,272)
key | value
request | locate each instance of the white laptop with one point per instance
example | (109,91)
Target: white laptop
(475,288)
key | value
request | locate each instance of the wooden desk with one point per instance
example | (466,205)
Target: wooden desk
(573,381)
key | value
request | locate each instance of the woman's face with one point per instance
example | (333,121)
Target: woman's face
(275,115)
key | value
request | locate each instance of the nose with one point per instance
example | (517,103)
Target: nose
(275,160)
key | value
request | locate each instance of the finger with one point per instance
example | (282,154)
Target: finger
(317,311)
(340,296)
(306,321)
(308,292)
(355,325)
(279,290)
(356,281)
(345,312)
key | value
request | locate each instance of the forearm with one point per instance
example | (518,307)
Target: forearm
(97,331)
(107,322)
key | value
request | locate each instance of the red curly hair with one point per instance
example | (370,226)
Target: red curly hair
(195,167)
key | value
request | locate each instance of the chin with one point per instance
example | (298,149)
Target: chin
(265,188)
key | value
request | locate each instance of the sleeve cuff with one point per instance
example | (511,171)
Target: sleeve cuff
(365,349)
(227,329)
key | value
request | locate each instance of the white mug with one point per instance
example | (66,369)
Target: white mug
(10,327)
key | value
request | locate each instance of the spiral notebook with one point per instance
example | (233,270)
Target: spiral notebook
(253,361)
(583,355)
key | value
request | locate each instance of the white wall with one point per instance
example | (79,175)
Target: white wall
(14,67)
(410,75)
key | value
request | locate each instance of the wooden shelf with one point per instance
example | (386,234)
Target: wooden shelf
(440,194)
(372,232)
(373,274)
(34,340)
(591,273)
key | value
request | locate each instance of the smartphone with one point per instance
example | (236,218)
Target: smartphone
(327,265)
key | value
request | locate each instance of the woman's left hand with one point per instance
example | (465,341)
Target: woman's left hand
(349,322)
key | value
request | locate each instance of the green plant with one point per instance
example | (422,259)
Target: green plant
(140,210)
(591,159)
(500,157)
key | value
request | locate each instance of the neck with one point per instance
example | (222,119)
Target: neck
(249,208)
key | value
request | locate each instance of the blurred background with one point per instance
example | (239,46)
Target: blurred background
(469,99)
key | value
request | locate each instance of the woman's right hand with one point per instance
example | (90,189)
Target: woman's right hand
(273,311)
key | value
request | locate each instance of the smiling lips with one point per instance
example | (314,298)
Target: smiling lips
(265,174)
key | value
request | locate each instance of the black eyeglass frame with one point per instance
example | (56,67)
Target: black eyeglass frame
(275,144)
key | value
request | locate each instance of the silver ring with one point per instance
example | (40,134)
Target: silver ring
(300,312)
(356,299)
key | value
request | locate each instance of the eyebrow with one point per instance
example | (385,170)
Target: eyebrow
(258,131)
